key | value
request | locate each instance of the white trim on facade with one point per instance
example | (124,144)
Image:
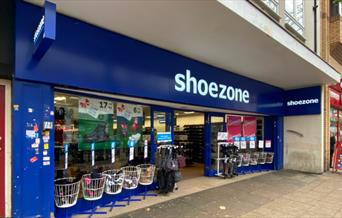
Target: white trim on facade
(245,10)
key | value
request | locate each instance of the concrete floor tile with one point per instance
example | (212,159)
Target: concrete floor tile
(279,194)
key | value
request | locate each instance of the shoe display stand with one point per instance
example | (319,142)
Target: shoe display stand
(195,135)
(181,139)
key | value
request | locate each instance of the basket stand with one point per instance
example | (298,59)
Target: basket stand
(113,204)
(131,170)
(71,190)
(145,193)
(93,210)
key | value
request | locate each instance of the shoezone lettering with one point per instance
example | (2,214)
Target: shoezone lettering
(190,84)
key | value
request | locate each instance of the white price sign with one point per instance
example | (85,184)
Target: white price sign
(237,144)
(261,144)
(222,136)
(252,144)
(243,145)
(131,153)
(268,144)
(145,151)
(113,155)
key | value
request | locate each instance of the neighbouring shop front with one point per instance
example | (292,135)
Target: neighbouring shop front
(335,148)
(91,101)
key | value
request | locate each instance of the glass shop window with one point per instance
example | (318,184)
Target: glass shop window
(335,8)
(84,124)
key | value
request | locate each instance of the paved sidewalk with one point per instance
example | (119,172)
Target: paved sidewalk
(277,194)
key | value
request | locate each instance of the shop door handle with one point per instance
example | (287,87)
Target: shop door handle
(0,143)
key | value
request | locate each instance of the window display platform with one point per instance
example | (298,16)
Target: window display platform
(105,203)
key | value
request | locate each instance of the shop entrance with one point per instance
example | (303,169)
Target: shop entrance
(215,123)
(2,151)
(189,136)
(161,121)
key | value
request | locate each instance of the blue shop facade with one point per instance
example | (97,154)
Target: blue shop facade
(73,82)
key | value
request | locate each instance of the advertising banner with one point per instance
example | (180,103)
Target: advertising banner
(249,126)
(130,121)
(233,127)
(95,121)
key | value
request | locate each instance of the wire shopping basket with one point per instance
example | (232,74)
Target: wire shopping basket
(254,158)
(114,181)
(146,174)
(262,158)
(269,157)
(92,188)
(245,159)
(131,177)
(66,192)
(239,160)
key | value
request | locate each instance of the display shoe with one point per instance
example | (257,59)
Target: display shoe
(99,134)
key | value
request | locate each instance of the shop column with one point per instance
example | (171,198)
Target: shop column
(33,166)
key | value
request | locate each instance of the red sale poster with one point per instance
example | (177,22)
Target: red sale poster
(337,159)
(249,126)
(334,98)
(234,127)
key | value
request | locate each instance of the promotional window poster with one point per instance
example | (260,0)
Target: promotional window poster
(249,126)
(101,122)
(234,127)
(95,123)
(129,124)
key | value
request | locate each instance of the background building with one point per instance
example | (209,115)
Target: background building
(331,52)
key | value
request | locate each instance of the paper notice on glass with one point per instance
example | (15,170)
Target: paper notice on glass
(237,144)
(243,145)
(113,155)
(145,151)
(268,143)
(261,144)
(252,144)
(222,136)
(131,153)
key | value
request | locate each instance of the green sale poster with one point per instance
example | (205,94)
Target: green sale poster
(95,123)
(130,121)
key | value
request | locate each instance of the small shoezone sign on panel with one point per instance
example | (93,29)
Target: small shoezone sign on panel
(303,101)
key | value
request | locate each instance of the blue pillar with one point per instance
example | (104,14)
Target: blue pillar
(274,131)
(207,146)
(33,178)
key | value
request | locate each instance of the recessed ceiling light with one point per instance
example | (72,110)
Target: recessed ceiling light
(189,112)
(60,98)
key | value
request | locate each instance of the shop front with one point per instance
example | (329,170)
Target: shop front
(93,101)
(335,149)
